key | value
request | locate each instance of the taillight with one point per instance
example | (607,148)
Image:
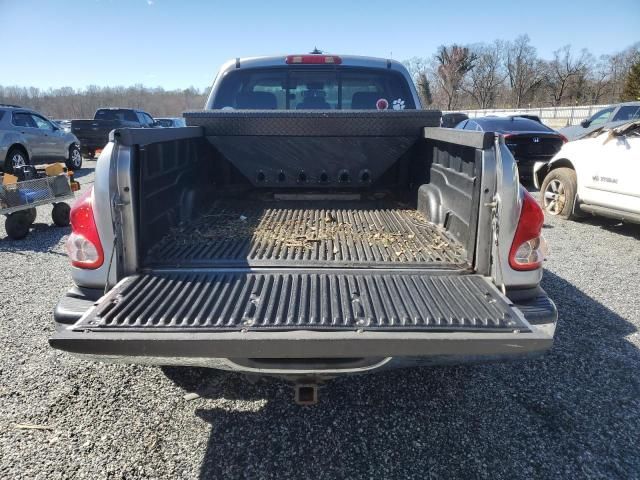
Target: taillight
(528,247)
(83,245)
(564,139)
(313,59)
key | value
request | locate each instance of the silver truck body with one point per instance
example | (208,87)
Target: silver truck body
(302,352)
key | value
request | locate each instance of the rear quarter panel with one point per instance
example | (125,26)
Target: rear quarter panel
(96,278)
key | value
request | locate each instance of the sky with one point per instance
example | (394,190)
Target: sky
(177,44)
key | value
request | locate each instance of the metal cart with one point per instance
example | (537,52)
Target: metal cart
(18,201)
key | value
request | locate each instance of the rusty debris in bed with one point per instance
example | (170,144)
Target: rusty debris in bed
(403,234)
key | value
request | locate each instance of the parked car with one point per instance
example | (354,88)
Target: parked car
(94,134)
(528,140)
(306,242)
(597,175)
(609,117)
(171,122)
(29,138)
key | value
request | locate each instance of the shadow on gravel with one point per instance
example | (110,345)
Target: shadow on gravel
(42,237)
(571,414)
(614,226)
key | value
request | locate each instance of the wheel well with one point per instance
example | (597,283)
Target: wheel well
(18,146)
(561,163)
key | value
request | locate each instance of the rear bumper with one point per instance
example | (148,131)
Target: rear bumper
(219,349)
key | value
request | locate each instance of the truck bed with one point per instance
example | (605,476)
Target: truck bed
(284,233)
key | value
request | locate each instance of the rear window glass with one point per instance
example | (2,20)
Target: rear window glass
(1,114)
(314,89)
(122,115)
(511,124)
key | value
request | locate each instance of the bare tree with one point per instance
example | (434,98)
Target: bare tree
(564,68)
(488,74)
(599,79)
(454,62)
(525,71)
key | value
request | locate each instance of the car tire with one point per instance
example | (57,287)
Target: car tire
(60,214)
(558,193)
(17,156)
(74,161)
(17,225)
(32,213)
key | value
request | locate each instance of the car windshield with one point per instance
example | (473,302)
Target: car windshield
(511,124)
(314,88)
(113,114)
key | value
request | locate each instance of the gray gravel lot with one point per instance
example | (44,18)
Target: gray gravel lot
(573,414)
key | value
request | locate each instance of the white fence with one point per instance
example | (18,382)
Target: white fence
(555,117)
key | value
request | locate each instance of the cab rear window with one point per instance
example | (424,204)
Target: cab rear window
(314,89)
(114,114)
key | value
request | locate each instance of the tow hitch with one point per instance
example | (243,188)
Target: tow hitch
(306,393)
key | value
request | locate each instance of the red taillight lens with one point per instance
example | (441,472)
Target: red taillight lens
(528,247)
(564,139)
(313,60)
(83,245)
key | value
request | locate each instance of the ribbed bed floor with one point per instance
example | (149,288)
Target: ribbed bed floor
(297,233)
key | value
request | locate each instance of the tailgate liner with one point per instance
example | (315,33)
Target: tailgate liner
(232,300)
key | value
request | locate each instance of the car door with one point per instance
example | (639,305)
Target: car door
(52,142)
(32,135)
(617,172)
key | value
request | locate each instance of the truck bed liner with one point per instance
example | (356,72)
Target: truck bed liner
(304,233)
(322,299)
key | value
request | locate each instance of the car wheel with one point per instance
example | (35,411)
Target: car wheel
(17,225)
(559,193)
(60,214)
(74,162)
(32,213)
(16,157)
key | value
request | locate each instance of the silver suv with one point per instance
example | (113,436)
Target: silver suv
(29,138)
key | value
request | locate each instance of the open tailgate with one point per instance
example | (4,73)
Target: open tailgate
(298,313)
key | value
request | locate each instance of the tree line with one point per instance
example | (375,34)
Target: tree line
(510,74)
(502,74)
(69,103)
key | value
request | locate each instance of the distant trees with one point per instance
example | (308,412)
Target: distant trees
(487,75)
(67,102)
(632,84)
(502,74)
(525,70)
(565,68)
(510,74)
(454,63)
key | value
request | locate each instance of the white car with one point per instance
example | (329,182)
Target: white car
(598,174)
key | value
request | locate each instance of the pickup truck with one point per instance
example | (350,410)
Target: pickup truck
(94,134)
(311,221)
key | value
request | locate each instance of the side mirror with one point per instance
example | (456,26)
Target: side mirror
(585,123)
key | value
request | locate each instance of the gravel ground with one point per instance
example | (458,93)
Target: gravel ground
(573,414)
